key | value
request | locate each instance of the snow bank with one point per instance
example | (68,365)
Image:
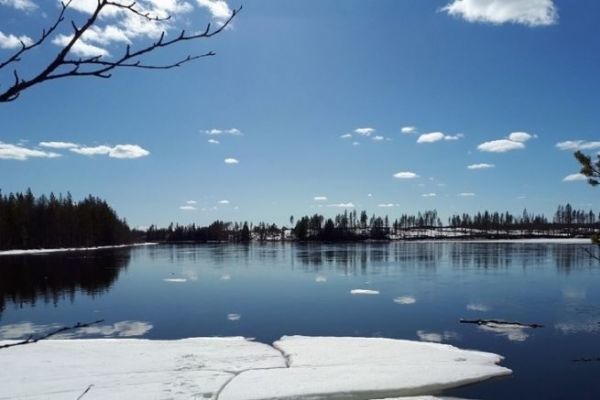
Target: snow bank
(65,249)
(362,368)
(296,367)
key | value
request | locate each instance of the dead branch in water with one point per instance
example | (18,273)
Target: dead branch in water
(32,339)
(498,322)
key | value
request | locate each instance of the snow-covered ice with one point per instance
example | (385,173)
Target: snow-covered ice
(364,292)
(67,249)
(294,367)
(362,368)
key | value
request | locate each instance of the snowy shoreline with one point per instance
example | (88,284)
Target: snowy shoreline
(70,249)
(235,368)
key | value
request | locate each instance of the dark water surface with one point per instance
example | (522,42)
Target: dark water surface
(266,291)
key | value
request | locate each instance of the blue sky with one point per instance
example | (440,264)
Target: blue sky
(290,79)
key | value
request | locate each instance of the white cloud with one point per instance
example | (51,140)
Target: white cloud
(59,145)
(578,145)
(433,137)
(405,175)
(481,166)
(81,47)
(341,205)
(187,208)
(20,153)
(466,194)
(429,195)
(10,41)
(497,12)
(364,131)
(500,146)
(224,202)
(408,129)
(355,144)
(387,205)
(23,5)
(219,9)
(378,138)
(231,161)
(346,136)
(213,141)
(191,202)
(217,132)
(120,151)
(575,178)
(520,136)
(320,198)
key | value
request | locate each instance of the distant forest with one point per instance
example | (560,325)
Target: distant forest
(354,226)
(29,222)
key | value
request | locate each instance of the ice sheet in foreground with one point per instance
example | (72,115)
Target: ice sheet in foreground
(363,368)
(129,368)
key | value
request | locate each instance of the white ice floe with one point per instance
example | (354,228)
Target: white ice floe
(67,249)
(362,368)
(435,337)
(364,292)
(24,330)
(234,317)
(175,280)
(405,300)
(514,333)
(296,367)
(129,368)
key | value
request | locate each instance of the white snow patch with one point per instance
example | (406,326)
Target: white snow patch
(364,292)
(362,368)
(65,249)
(405,300)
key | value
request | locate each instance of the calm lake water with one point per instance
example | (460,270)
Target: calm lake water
(266,291)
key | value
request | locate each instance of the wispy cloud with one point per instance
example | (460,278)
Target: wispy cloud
(578,145)
(341,205)
(10,41)
(320,198)
(408,129)
(429,195)
(21,153)
(405,175)
(364,131)
(120,151)
(231,161)
(346,136)
(481,166)
(378,138)
(219,132)
(23,5)
(191,202)
(433,137)
(575,178)
(466,194)
(213,141)
(388,205)
(187,208)
(497,12)
(59,145)
(223,201)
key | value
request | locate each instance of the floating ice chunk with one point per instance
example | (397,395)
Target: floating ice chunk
(363,292)
(436,337)
(362,368)
(129,368)
(478,307)
(514,333)
(321,279)
(405,300)
(175,280)
(234,317)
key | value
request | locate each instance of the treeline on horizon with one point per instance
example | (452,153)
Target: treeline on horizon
(354,226)
(30,222)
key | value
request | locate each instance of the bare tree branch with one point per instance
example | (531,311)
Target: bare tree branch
(31,339)
(96,66)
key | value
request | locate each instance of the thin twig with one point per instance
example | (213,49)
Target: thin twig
(32,339)
(84,392)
